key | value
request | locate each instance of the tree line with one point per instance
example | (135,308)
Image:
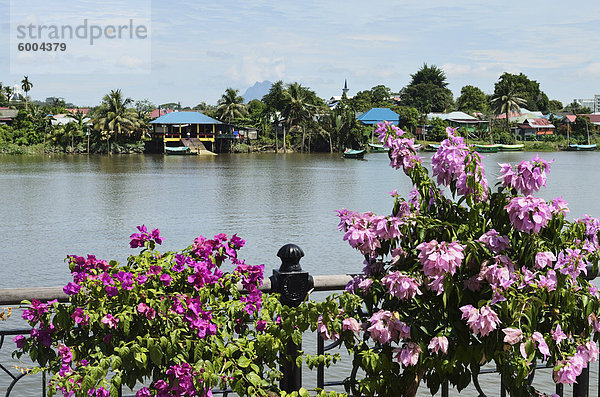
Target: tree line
(289,116)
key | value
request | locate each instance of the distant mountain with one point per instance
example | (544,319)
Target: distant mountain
(257,91)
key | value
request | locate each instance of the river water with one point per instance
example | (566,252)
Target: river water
(52,206)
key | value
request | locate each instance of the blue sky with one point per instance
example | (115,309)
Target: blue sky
(199,48)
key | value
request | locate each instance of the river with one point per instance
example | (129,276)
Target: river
(58,205)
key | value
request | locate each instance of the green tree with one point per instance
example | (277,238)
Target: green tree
(528,90)
(8,92)
(113,118)
(362,101)
(427,91)
(555,105)
(380,96)
(26,85)
(79,122)
(506,99)
(471,100)
(231,106)
(300,106)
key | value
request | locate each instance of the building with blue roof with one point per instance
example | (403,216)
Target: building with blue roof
(379,115)
(191,129)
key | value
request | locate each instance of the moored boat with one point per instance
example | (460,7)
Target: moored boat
(354,154)
(179,150)
(487,148)
(511,148)
(431,147)
(576,147)
(377,148)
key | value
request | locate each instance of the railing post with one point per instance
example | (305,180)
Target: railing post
(582,387)
(293,284)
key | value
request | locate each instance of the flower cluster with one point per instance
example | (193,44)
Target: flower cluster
(364,231)
(140,239)
(528,214)
(402,150)
(528,177)
(481,321)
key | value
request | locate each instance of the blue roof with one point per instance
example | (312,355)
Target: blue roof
(185,118)
(378,115)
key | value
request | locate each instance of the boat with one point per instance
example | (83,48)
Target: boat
(177,150)
(576,147)
(417,146)
(354,154)
(511,148)
(487,148)
(431,147)
(377,148)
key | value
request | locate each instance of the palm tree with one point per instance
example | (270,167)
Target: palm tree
(231,106)
(8,92)
(506,100)
(26,86)
(79,122)
(114,118)
(298,109)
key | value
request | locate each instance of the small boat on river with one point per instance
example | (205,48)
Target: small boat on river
(431,147)
(487,148)
(576,147)
(377,148)
(177,150)
(511,148)
(354,154)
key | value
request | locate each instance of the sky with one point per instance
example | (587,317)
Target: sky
(194,50)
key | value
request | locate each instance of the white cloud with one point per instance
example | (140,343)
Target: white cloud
(130,62)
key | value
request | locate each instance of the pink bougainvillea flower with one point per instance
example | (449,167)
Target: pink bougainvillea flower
(481,321)
(528,214)
(401,285)
(558,335)
(494,241)
(110,321)
(351,324)
(409,354)
(528,177)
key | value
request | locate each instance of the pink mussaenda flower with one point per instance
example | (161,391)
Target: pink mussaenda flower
(588,351)
(566,372)
(528,177)
(541,344)
(473,181)
(558,335)
(351,324)
(512,335)
(324,332)
(440,258)
(409,354)
(572,262)
(482,321)
(494,241)
(592,226)
(543,259)
(403,153)
(559,206)
(401,286)
(528,214)
(549,281)
(386,327)
(448,163)
(438,344)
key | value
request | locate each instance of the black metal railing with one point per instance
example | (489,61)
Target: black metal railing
(294,285)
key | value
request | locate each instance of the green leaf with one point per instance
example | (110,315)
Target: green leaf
(156,354)
(243,362)
(254,379)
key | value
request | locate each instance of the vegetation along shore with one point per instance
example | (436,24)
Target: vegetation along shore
(291,117)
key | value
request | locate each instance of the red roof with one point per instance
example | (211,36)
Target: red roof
(571,118)
(540,122)
(154,114)
(512,114)
(80,110)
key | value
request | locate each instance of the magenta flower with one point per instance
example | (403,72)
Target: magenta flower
(19,340)
(71,289)
(401,285)
(166,279)
(559,206)
(438,344)
(448,163)
(139,239)
(512,335)
(143,392)
(386,327)
(549,281)
(440,258)
(110,321)
(528,214)
(261,325)
(80,316)
(571,262)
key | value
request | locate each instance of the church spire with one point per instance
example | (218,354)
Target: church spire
(345,90)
